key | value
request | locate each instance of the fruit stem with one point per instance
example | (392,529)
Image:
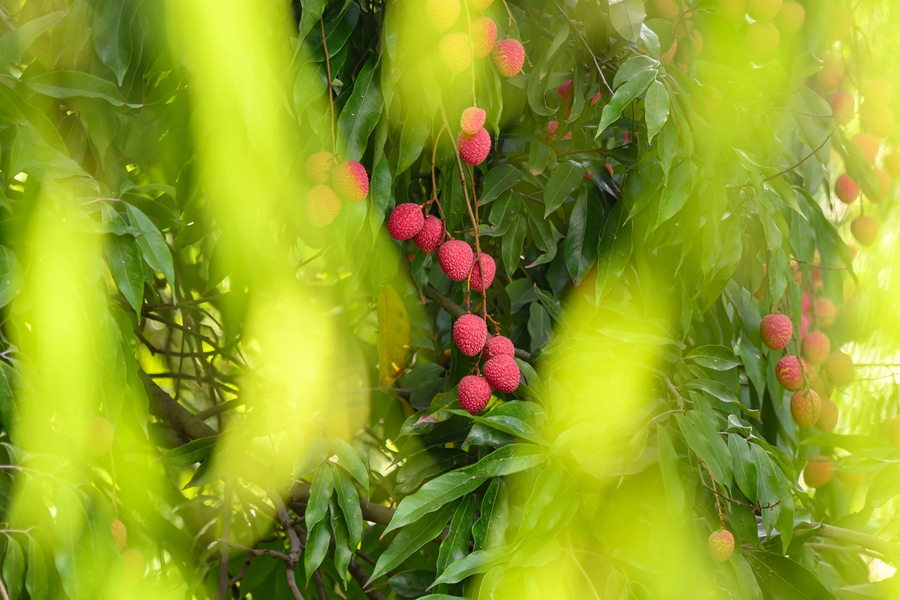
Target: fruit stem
(471,52)
(330,91)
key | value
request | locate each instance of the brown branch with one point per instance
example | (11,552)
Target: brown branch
(219,408)
(319,582)
(330,91)
(361,577)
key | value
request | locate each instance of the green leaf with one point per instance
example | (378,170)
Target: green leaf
(718,358)
(36,578)
(784,579)
(656,108)
(360,113)
(16,42)
(7,396)
(424,465)
(124,260)
(310,85)
(676,191)
(716,389)
(668,464)
(348,458)
(152,243)
(412,538)
(190,453)
(509,459)
(316,546)
(309,17)
(743,463)
(14,568)
(614,251)
(700,444)
(10,276)
(348,498)
(515,418)
(489,531)
(411,584)
(497,181)
(851,442)
(581,238)
(511,245)
(456,544)
(539,326)
(563,181)
(623,97)
(319,495)
(112,34)
(412,140)
(433,495)
(626,17)
(314,453)
(633,67)
(342,550)
(69,84)
(767,491)
(476,562)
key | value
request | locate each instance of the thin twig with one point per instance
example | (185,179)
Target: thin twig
(789,169)
(330,91)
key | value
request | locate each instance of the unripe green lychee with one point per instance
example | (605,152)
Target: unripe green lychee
(133,564)
(842,105)
(119,534)
(893,432)
(806,406)
(815,348)
(442,14)
(879,122)
(790,18)
(851,479)
(474,393)
(480,4)
(877,92)
(789,372)
(502,372)
(455,258)
(891,162)
(318,167)
(484,36)
(828,416)
(818,471)
(763,10)
(322,205)
(455,52)
(775,330)
(839,369)
(664,9)
(763,39)
(721,545)
(865,229)
(470,334)
(99,434)
(869,144)
(846,189)
(733,10)
(508,57)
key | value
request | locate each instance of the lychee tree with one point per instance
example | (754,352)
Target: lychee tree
(442,299)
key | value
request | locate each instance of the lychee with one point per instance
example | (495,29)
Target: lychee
(805,322)
(815,348)
(502,372)
(455,258)
(470,334)
(893,432)
(133,564)
(839,369)
(850,479)
(721,545)
(442,14)
(789,373)
(733,10)
(826,312)
(891,162)
(818,471)
(869,144)
(474,393)
(406,221)
(478,281)
(596,97)
(508,57)
(429,238)
(790,18)
(842,105)
(498,345)
(484,36)
(99,434)
(565,90)
(828,416)
(322,205)
(455,52)
(318,167)
(473,149)
(763,10)
(820,384)
(830,76)
(480,4)
(806,406)
(878,121)
(350,181)
(763,39)
(884,185)
(865,229)
(846,189)
(119,534)
(665,9)
(472,120)
(877,92)
(775,330)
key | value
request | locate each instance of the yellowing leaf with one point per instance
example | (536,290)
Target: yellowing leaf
(393,335)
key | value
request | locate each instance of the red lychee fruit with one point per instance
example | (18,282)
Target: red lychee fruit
(502,372)
(828,416)
(430,236)
(805,303)
(721,545)
(839,369)
(473,149)
(789,374)
(474,393)
(498,345)
(815,348)
(846,189)
(470,334)
(552,126)
(826,311)
(865,229)
(869,144)
(842,106)
(318,167)
(565,90)
(406,221)
(484,36)
(472,120)
(893,432)
(818,471)
(805,322)
(119,534)
(322,205)
(776,331)
(596,97)
(478,281)
(508,57)
(455,258)
(806,406)
(350,181)
(455,52)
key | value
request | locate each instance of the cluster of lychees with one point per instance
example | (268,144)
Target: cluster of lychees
(686,39)
(333,182)
(771,18)
(565,90)
(457,48)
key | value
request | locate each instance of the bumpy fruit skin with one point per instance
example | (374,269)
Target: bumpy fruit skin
(775,330)
(442,14)
(879,121)
(350,181)
(839,369)
(818,471)
(429,238)
(502,373)
(816,348)
(472,120)
(474,393)
(806,406)
(473,149)
(763,10)
(455,52)
(869,144)
(843,105)
(470,334)
(893,432)
(891,164)
(877,92)
(828,416)
(484,36)
(498,345)
(455,258)
(480,4)
(789,373)
(790,18)
(733,10)
(826,311)
(596,97)
(721,545)
(846,189)
(322,205)
(830,76)
(318,167)
(865,229)
(119,534)
(851,479)
(406,221)
(763,39)
(508,57)
(820,384)
(478,281)
(133,564)
(100,434)
(664,9)
(565,90)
